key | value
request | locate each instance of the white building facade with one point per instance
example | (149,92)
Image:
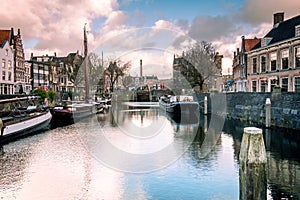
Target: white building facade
(7,69)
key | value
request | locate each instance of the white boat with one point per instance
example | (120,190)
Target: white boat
(22,122)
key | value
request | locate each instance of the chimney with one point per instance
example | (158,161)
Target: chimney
(54,54)
(141,68)
(19,32)
(31,56)
(278,17)
(11,37)
(243,49)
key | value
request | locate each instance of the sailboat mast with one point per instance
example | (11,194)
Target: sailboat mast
(86,65)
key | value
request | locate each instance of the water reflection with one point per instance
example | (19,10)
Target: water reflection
(283,159)
(63,163)
(13,163)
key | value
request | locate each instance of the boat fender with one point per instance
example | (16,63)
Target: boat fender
(1,126)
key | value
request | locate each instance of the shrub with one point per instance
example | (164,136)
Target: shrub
(51,96)
(42,93)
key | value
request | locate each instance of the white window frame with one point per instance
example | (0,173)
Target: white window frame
(265,63)
(297,54)
(284,54)
(297,30)
(295,83)
(287,82)
(273,57)
(252,66)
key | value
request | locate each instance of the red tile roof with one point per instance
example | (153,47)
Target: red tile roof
(4,36)
(250,43)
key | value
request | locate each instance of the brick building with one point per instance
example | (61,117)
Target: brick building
(275,60)
(239,64)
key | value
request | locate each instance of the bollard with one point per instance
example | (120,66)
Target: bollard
(252,169)
(205,123)
(268,112)
(205,105)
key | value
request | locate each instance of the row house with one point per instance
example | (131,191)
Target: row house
(55,73)
(239,64)
(7,63)
(275,60)
(40,71)
(14,72)
(19,57)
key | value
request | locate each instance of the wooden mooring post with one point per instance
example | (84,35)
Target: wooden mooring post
(253,161)
(268,112)
(205,105)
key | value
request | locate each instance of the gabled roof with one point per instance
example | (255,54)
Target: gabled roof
(250,43)
(282,31)
(4,36)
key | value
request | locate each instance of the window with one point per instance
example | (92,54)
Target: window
(263,63)
(285,59)
(273,58)
(6,52)
(297,57)
(297,31)
(297,84)
(254,65)
(9,76)
(3,75)
(9,64)
(284,84)
(273,83)
(263,85)
(3,63)
(254,86)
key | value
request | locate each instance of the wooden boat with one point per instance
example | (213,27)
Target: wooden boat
(17,120)
(69,112)
(179,105)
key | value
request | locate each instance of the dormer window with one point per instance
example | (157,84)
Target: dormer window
(265,41)
(297,30)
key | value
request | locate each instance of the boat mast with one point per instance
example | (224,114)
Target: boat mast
(86,65)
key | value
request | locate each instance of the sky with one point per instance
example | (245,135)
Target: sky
(151,30)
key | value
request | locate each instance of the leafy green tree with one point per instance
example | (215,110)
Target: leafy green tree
(70,94)
(42,93)
(51,96)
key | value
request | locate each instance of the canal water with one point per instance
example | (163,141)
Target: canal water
(142,154)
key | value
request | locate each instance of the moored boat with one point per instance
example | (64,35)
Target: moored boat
(17,120)
(179,105)
(69,112)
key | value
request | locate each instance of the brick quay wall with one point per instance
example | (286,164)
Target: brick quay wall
(250,107)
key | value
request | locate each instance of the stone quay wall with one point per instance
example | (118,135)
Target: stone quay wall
(251,107)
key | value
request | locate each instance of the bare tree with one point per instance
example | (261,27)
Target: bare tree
(127,81)
(204,59)
(115,70)
(96,71)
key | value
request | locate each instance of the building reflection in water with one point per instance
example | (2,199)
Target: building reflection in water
(283,166)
